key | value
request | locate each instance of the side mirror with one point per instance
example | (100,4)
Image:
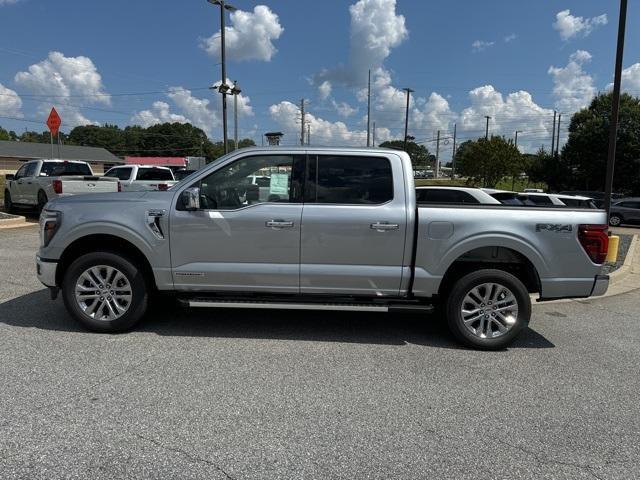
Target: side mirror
(191,199)
(9,176)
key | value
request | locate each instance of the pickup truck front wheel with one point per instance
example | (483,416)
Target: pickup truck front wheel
(487,309)
(105,292)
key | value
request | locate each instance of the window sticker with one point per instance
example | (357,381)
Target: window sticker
(279,184)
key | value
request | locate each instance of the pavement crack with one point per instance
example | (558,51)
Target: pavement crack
(124,372)
(190,456)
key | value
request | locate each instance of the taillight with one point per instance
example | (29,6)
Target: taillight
(595,241)
(163,187)
(57,186)
(119,187)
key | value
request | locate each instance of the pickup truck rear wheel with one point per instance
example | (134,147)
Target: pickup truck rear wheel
(487,309)
(105,292)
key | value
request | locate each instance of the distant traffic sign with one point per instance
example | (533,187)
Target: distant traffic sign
(54,121)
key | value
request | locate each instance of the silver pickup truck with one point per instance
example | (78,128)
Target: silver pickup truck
(339,230)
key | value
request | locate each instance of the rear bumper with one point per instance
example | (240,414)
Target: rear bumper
(600,285)
(46,271)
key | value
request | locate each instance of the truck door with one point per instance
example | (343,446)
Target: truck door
(354,224)
(237,241)
(16,184)
(28,185)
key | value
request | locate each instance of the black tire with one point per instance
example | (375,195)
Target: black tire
(455,303)
(8,204)
(42,201)
(615,220)
(134,275)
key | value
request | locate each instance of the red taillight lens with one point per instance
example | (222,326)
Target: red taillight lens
(595,241)
(57,186)
(119,187)
(163,187)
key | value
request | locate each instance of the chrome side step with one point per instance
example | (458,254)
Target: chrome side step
(346,307)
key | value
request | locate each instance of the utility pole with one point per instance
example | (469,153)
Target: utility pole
(374,134)
(308,133)
(486,133)
(302,121)
(223,85)
(235,91)
(406,117)
(437,173)
(558,135)
(516,141)
(453,155)
(368,108)
(615,106)
(553,135)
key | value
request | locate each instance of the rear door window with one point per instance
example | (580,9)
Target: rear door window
(349,180)
(154,174)
(119,173)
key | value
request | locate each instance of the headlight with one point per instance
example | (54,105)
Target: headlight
(49,224)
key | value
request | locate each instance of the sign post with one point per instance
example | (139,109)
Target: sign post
(53,122)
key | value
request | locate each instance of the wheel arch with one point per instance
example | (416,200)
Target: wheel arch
(492,257)
(104,242)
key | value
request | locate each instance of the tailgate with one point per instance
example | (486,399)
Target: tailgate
(78,185)
(143,185)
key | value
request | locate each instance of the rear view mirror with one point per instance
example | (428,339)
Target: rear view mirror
(191,199)
(9,176)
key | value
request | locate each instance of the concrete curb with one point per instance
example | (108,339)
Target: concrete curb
(621,273)
(17,222)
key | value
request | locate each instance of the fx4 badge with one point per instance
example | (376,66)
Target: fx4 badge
(553,227)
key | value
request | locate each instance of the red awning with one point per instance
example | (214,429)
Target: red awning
(162,161)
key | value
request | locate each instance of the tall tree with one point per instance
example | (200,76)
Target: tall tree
(585,153)
(485,162)
(420,156)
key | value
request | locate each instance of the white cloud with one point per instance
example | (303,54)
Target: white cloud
(343,108)
(510,38)
(375,30)
(435,113)
(159,113)
(481,45)
(573,87)
(630,80)
(570,26)
(199,112)
(68,83)
(10,102)
(8,2)
(323,132)
(324,89)
(250,36)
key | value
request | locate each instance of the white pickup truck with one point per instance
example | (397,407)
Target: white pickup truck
(39,181)
(139,178)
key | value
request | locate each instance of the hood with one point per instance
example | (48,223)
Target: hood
(115,200)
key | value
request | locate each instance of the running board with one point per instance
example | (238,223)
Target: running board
(342,307)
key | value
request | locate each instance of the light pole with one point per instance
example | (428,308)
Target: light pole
(223,85)
(235,91)
(517,132)
(406,117)
(486,134)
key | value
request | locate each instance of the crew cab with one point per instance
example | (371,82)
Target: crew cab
(340,230)
(38,181)
(134,178)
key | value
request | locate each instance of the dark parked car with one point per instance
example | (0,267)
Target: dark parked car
(598,197)
(182,173)
(626,210)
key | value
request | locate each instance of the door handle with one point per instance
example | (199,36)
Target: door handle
(278,224)
(384,226)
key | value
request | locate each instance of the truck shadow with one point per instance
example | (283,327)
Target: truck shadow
(36,310)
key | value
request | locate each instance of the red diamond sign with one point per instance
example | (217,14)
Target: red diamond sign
(54,121)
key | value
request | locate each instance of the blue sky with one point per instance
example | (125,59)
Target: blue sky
(146,61)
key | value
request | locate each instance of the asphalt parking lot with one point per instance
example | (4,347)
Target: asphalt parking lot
(257,395)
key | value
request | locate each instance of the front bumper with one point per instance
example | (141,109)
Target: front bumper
(600,285)
(46,270)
